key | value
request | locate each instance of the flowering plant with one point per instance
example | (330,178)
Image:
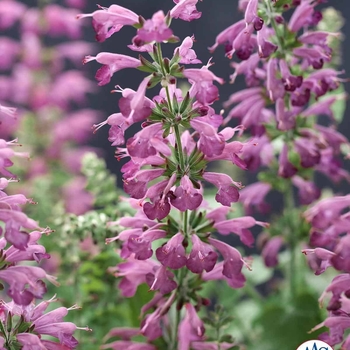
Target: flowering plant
(192,285)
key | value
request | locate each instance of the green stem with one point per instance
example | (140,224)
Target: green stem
(179,147)
(185,228)
(269,13)
(169,100)
(181,277)
(160,58)
(253,293)
(289,208)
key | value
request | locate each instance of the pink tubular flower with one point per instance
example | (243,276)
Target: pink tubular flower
(191,328)
(185,10)
(322,214)
(112,62)
(202,256)
(134,273)
(202,84)
(186,53)
(323,256)
(253,196)
(233,261)
(210,143)
(154,29)
(240,227)
(108,21)
(270,251)
(228,35)
(186,196)
(20,276)
(227,188)
(172,254)
(161,279)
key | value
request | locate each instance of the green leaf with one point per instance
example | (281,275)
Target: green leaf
(286,325)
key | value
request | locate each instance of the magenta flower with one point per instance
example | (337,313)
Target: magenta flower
(161,279)
(191,328)
(108,21)
(202,84)
(228,35)
(186,53)
(270,251)
(307,190)
(202,256)
(18,277)
(134,273)
(141,245)
(322,261)
(240,227)
(172,254)
(227,188)
(210,143)
(154,29)
(233,261)
(112,62)
(186,196)
(185,10)
(10,13)
(253,196)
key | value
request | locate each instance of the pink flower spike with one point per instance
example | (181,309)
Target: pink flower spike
(108,21)
(185,10)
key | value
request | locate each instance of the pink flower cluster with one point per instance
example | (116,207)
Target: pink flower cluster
(330,235)
(283,69)
(43,84)
(24,283)
(33,323)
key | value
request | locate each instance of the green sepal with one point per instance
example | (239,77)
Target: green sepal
(175,104)
(168,19)
(156,79)
(294,158)
(173,39)
(22,327)
(185,104)
(2,329)
(9,322)
(155,55)
(177,71)
(175,59)
(166,132)
(166,64)
(147,65)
